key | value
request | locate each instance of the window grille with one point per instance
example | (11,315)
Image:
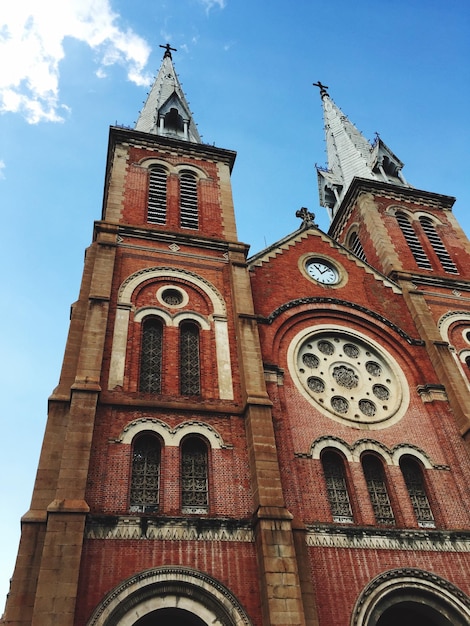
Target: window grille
(375,479)
(151,357)
(438,247)
(415,484)
(194,485)
(188,201)
(145,480)
(156,210)
(337,491)
(420,256)
(189,360)
(355,246)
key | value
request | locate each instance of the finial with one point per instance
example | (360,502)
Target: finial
(323,89)
(307,217)
(168,49)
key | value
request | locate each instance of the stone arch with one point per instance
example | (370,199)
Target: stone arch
(168,588)
(218,317)
(171,436)
(427,596)
(330,443)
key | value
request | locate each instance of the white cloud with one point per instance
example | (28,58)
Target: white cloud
(209,4)
(2,167)
(32,34)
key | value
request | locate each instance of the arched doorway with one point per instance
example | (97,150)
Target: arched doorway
(412,614)
(411,597)
(170,617)
(170,596)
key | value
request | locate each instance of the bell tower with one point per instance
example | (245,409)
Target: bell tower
(158,485)
(409,235)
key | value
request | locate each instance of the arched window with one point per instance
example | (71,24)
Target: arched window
(189,359)
(194,484)
(413,242)
(414,480)
(376,485)
(338,496)
(355,246)
(156,210)
(151,356)
(145,479)
(188,201)
(438,247)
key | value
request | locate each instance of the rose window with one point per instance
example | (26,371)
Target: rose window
(348,378)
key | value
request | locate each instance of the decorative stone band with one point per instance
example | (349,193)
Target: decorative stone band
(361,538)
(110,527)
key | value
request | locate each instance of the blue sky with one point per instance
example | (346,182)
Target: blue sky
(70,68)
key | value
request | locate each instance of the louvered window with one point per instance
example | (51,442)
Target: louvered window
(156,210)
(188,201)
(194,483)
(355,246)
(439,248)
(413,242)
(151,356)
(189,359)
(415,484)
(145,479)
(338,495)
(375,479)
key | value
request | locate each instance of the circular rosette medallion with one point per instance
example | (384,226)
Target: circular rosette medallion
(349,377)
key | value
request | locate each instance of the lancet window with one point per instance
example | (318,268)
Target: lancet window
(355,246)
(414,480)
(338,496)
(188,201)
(151,356)
(190,379)
(194,476)
(156,210)
(411,238)
(377,487)
(145,479)
(438,247)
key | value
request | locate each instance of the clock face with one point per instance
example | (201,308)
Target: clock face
(322,271)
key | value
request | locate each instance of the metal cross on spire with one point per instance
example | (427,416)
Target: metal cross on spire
(168,50)
(323,89)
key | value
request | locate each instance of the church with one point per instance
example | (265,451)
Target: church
(269,440)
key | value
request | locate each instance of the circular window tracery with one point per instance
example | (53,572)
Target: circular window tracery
(349,378)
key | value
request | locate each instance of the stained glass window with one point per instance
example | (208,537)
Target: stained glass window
(151,356)
(337,490)
(194,488)
(189,359)
(415,484)
(145,480)
(375,478)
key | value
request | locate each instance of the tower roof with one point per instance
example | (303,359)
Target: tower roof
(166,111)
(351,155)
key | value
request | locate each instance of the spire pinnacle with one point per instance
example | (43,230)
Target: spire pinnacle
(323,89)
(350,155)
(166,111)
(168,50)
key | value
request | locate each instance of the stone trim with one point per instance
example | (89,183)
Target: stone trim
(165,529)
(335,301)
(399,539)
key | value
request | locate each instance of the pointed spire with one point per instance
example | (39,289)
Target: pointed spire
(351,155)
(166,111)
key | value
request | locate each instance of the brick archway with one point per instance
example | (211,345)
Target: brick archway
(158,589)
(414,598)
